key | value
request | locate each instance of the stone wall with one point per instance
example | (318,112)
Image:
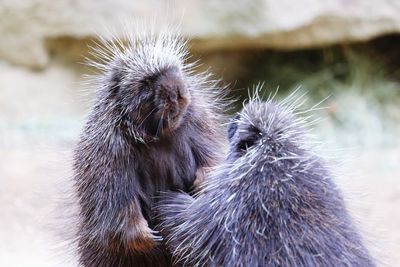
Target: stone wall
(26,26)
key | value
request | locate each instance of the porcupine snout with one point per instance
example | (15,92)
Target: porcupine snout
(172,98)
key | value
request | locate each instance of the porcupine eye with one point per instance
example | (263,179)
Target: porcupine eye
(248,139)
(244,145)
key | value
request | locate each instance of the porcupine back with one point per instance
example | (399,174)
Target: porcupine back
(153,124)
(271,203)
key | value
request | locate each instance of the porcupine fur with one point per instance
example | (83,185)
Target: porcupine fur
(271,203)
(154,124)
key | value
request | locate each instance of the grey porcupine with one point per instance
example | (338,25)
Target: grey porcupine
(271,203)
(153,126)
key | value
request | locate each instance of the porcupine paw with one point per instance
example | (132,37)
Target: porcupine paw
(141,238)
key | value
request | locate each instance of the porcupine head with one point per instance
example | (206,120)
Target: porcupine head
(146,80)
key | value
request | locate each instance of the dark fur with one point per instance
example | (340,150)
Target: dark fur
(147,132)
(272,203)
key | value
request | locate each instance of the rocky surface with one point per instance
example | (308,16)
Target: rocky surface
(27,26)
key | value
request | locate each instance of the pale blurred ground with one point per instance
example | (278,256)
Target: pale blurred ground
(37,138)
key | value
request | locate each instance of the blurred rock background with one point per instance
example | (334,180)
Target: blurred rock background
(348,49)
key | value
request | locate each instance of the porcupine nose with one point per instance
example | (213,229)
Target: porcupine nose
(173,94)
(172,97)
(174,89)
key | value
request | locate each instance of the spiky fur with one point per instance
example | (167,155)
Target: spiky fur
(120,165)
(271,203)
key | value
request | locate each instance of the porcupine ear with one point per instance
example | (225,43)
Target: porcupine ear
(233,127)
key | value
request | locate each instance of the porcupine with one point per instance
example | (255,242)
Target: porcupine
(272,202)
(154,126)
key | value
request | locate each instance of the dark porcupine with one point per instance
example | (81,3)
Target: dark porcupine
(154,125)
(271,203)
